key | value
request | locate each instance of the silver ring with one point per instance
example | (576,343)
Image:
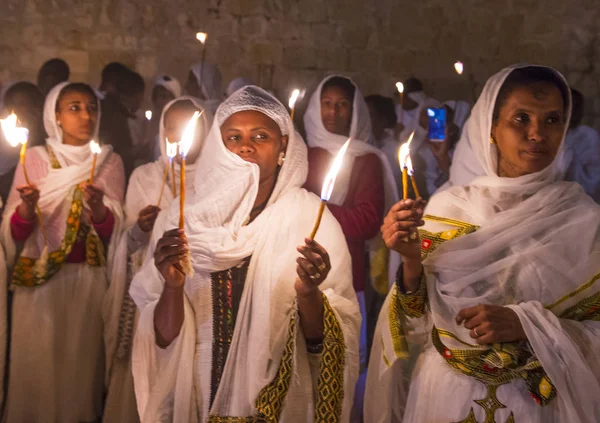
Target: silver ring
(476,334)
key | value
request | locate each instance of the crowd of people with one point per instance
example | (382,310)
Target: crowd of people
(122,300)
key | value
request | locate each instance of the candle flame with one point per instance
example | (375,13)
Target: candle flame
(201,36)
(404,155)
(459,67)
(294,98)
(187,139)
(149,114)
(329,182)
(14,134)
(400,87)
(95,147)
(171,149)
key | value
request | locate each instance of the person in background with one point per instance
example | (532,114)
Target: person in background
(407,111)
(383,120)
(581,160)
(166,89)
(27,102)
(461,110)
(206,83)
(236,84)
(52,73)
(59,276)
(112,74)
(364,187)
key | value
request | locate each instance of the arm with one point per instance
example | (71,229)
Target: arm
(362,220)
(20,228)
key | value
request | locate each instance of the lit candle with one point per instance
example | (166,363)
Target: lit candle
(16,135)
(202,36)
(95,148)
(184,147)
(148,114)
(171,153)
(328,185)
(400,88)
(292,102)
(459,67)
(405,162)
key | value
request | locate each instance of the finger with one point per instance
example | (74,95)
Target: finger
(304,277)
(311,256)
(392,232)
(319,249)
(177,233)
(467,313)
(308,267)
(170,242)
(475,322)
(169,255)
(396,238)
(402,205)
(94,188)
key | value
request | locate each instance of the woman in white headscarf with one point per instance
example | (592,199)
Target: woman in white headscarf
(364,189)
(146,197)
(262,329)
(236,84)
(59,276)
(494,315)
(206,83)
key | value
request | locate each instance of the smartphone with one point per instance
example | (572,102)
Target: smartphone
(437,124)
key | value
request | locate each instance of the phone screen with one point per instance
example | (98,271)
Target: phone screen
(437,124)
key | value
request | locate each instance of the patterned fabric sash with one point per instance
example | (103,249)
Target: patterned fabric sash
(330,385)
(29,272)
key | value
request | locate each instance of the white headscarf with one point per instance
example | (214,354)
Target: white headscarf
(225,192)
(237,83)
(210,82)
(170,83)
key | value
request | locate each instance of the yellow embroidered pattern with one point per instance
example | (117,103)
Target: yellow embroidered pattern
(330,386)
(24,272)
(430,241)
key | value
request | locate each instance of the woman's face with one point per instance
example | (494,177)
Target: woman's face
(256,138)
(529,129)
(77,115)
(176,119)
(160,98)
(336,111)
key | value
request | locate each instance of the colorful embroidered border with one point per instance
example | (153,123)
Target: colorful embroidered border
(430,241)
(399,343)
(330,386)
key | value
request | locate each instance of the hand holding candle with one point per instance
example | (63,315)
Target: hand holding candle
(95,148)
(328,184)
(16,135)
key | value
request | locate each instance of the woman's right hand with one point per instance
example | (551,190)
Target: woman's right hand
(400,223)
(30,196)
(171,250)
(147,218)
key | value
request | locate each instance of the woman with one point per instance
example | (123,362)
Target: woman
(257,331)
(166,89)
(494,313)
(364,189)
(206,83)
(59,275)
(142,205)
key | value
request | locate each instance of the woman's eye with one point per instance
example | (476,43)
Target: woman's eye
(74,108)
(233,138)
(260,137)
(522,118)
(554,119)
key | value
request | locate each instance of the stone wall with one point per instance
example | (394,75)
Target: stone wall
(284,44)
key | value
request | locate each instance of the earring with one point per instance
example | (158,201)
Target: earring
(281,159)
(492,140)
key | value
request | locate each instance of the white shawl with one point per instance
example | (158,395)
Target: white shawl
(538,241)
(175,383)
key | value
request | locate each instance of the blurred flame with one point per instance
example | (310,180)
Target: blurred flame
(329,182)
(400,87)
(14,134)
(201,36)
(187,139)
(95,147)
(294,98)
(171,149)
(404,155)
(459,67)
(149,114)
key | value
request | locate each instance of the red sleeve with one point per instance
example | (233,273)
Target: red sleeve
(363,216)
(105,229)
(20,228)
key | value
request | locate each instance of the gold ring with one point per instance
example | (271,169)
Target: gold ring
(322,267)
(475,332)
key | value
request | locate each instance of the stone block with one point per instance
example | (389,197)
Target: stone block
(244,7)
(355,36)
(78,60)
(251,27)
(264,52)
(299,56)
(332,58)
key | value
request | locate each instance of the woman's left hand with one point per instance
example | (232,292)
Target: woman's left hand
(312,267)
(492,324)
(94,197)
